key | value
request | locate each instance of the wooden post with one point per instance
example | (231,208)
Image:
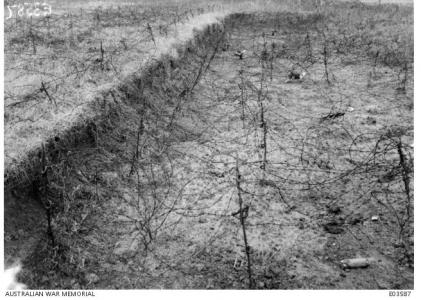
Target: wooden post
(243,212)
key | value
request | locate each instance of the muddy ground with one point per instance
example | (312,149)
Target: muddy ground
(166,220)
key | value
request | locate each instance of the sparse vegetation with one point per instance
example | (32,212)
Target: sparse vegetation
(265,147)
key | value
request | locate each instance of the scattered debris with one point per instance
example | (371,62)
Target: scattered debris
(265,182)
(240,54)
(354,263)
(264,55)
(216,174)
(398,244)
(356,219)
(332,116)
(388,177)
(92,278)
(225,46)
(400,89)
(334,209)
(294,76)
(371,121)
(323,164)
(290,208)
(334,227)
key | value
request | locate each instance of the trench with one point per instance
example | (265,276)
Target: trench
(31,194)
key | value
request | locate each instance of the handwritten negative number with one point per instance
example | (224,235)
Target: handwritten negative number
(35,9)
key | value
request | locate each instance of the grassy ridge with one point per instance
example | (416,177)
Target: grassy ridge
(56,65)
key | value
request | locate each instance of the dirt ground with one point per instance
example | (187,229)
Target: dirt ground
(170,224)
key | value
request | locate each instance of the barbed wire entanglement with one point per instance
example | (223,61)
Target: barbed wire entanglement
(56,64)
(269,149)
